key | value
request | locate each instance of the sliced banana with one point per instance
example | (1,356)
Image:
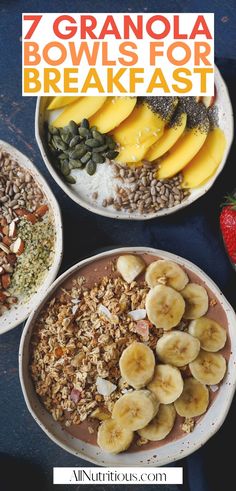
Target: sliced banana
(196,300)
(130,266)
(167,273)
(135,409)
(194,399)
(208,368)
(137,364)
(167,384)
(112,438)
(165,307)
(211,335)
(177,348)
(161,425)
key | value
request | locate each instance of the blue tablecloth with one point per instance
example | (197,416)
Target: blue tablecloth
(28,456)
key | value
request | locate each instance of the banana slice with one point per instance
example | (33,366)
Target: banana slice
(167,273)
(112,438)
(137,364)
(161,425)
(130,266)
(196,299)
(165,307)
(135,409)
(211,335)
(167,384)
(208,368)
(177,348)
(194,399)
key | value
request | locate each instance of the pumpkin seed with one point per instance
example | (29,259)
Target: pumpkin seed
(102,148)
(70,179)
(78,152)
(58,143)
(62,156)
(84,132)
(112,154)
(86,157)
(73,127)
(75,164)
(98,158)
(66,138)
(65,169)
(91,167)
(98,136)
(92,142)
(76,139)
(110,142)
(84,123)
(53,130)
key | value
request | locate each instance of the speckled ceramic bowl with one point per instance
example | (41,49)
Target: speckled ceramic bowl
(169,452)
(20,311)
(80,195)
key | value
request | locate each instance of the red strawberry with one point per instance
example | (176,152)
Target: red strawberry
(228,226)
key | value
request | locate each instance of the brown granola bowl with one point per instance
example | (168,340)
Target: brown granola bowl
(68,325)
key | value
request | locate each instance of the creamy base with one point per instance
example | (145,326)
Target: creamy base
(93,273)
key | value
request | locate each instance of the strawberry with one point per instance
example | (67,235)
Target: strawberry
(228,226)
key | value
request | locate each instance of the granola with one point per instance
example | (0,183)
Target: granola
(74,342)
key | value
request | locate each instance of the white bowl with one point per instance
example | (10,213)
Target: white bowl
(19,312)
(225,123)
(170,452)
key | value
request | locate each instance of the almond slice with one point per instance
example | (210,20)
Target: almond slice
(6,280)
(4,248)
(41,210)
(31,217)
(6,240)
(5,230)
(12,229)
(18,246)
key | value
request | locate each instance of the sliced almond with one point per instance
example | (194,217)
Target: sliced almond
(5,230)
(17,247)
(12,229)
(6,240)
(6,280)
(4,248)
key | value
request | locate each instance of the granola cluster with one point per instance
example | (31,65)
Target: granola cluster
(74,343)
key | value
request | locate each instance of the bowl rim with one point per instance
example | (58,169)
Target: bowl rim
(230,387)
(53,271)
(159,214)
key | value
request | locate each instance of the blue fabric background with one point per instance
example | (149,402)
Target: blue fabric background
(27,455)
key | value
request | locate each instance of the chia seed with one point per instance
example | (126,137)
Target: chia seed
(162,105)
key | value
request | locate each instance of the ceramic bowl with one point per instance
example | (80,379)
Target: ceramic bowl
(84,199)
(19,312)
(170,452)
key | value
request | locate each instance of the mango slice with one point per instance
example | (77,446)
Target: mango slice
(60,101)
(169,138)
(112,113)
(136,152)
(207,160)
(85,107)
(181,153)
(139,126)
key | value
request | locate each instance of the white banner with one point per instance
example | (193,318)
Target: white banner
(118,475)
(118,54)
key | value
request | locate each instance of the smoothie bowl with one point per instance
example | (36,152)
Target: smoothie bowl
(135,157)
(130,358)
(30,237)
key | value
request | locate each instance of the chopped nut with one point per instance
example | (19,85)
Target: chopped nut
(188,425)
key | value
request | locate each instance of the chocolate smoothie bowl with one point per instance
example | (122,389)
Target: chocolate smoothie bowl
(130,358)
